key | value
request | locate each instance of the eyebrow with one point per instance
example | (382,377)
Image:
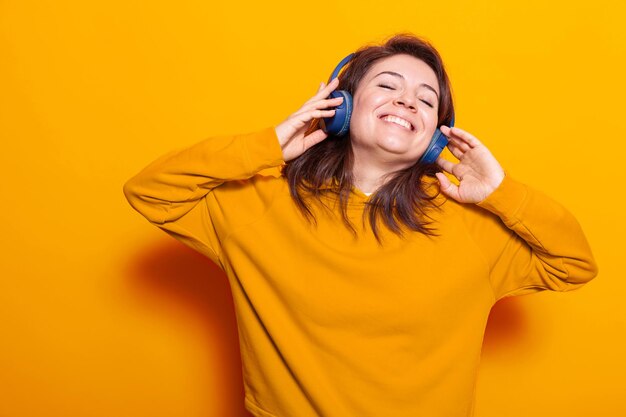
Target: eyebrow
(395,74)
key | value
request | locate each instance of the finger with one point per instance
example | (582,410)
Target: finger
(321,104)
(447,187)
(464,147)
(455,150)
(326,90)
(446,165)
(334,83)
(304,118)
(467,137)
(321,86)
(329,102)
(315,114)
(460,135)
(315,138)
(453,138)
(323,113)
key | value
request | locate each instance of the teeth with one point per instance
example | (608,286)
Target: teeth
(398,121)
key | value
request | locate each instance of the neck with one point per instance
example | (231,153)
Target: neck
(369,173)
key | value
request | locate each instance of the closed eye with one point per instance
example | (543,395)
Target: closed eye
(391,88)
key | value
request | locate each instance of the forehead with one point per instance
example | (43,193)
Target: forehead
(413,70)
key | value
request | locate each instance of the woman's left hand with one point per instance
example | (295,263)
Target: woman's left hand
(478,172)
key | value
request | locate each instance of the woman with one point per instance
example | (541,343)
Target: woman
(359,288)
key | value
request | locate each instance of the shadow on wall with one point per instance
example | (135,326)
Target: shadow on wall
(180,276)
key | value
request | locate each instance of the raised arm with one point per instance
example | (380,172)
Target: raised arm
(170,186)
(169,191)
(532,243)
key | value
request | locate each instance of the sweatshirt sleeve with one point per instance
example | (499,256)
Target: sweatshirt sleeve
(171,191)
(541,248)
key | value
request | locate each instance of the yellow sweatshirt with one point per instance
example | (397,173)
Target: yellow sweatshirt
(336,326)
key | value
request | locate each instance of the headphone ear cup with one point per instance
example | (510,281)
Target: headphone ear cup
(437,143)
(339,124)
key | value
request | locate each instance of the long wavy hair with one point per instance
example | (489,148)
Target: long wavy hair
(404,198)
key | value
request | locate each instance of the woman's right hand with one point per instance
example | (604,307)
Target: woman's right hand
(290,133)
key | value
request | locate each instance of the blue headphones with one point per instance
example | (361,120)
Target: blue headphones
(339,124)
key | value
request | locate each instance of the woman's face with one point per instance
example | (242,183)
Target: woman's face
(395,108)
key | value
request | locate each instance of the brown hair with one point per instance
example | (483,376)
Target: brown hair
(404,198)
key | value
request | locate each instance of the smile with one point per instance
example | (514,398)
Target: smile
(398,121)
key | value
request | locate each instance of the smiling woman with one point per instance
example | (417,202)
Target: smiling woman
(401,94)
(341,321)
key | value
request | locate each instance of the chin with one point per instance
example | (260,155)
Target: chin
(400,147)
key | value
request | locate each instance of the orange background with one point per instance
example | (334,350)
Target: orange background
(102,314)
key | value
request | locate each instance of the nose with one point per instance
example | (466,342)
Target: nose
(406,100)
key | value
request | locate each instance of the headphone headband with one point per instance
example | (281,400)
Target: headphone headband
(340,66)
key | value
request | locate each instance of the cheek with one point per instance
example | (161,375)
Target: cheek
(430,119)
(365,107)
